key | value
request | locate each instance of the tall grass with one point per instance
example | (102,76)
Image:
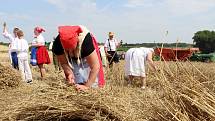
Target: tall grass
(180,91)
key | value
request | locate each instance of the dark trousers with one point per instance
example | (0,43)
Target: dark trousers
(113,58)
(56,63)
(14,60)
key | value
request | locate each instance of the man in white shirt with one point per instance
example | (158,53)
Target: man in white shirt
(12,46)
(111,46)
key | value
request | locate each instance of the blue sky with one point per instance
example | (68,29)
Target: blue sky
(133,21)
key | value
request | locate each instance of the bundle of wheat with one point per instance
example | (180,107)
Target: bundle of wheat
(9,77)
(52,99)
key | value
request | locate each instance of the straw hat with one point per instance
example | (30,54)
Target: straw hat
(111,34)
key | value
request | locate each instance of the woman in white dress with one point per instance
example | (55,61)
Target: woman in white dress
(135,60)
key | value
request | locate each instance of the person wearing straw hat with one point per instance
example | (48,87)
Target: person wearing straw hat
(78,53)
(111,45)
(135,61)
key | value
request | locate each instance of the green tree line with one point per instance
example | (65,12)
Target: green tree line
(205,41)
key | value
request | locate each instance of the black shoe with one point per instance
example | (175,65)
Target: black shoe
(29,81)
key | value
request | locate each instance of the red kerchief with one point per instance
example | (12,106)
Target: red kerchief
(69,36)
(39,29)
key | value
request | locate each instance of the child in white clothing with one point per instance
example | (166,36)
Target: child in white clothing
(22,50)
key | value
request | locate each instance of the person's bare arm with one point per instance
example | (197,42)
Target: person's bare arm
(93,62)
(150,61)
(118,44)
(6,34)
(67,69)
(36,44)
(106,52)
(106,49)
(4,27)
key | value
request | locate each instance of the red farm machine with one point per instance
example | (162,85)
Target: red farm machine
(173,54)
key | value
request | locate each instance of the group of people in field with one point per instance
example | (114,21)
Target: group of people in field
(18,51)
(76,50)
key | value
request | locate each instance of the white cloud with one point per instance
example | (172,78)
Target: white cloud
(134,3)
(74,5)
(140,3)
(179,7)
(185,7)
(106,6)
(19,16)
(14,16)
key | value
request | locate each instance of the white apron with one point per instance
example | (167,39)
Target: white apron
(135,60)
(81,72)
